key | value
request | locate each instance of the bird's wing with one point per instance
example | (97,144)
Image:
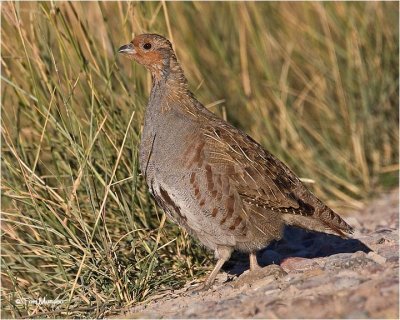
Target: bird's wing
(240,184)
(234,178)
(258,176)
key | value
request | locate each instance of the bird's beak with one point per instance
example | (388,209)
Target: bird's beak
(127,49)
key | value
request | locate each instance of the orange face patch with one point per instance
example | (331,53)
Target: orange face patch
(150,59)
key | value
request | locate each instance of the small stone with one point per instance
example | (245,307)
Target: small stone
(298,264)
(391,253)
(222,277)
(376,257)
(358,254)
(273,291)
(259,278)
(381,241)
(383,229)
(313,273)
(348,261)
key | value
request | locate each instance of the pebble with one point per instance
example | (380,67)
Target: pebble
(260,277)
(358,254)
(376,257)
(390,252)
(268,292)
(298,264)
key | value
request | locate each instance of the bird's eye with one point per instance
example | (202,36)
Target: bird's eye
(147,46)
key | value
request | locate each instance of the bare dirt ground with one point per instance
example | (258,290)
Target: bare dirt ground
(306,275)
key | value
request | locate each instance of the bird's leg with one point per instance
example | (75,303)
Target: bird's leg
(253,262)
(211,277)
(223,254)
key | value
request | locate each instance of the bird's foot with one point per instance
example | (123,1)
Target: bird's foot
(268,273)
(255,267)
(274,270)
(198,288)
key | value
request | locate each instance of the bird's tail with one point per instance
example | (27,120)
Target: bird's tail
(325,220)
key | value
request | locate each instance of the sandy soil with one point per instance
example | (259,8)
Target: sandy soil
(305,275)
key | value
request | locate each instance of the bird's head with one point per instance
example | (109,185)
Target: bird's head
(151,50)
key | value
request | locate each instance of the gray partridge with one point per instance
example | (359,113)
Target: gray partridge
(211,178)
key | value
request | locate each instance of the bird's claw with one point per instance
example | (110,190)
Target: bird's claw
(198,288)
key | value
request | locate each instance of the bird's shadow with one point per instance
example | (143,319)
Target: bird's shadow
(296,243)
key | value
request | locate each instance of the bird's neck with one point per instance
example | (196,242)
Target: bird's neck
(169,84)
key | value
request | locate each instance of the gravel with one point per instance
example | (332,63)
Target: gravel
(305,275)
